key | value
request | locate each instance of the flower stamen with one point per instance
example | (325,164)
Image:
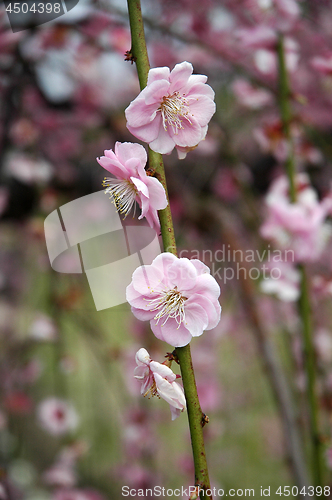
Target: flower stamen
(169,305)
(172,109)
(122,193)
(152,391)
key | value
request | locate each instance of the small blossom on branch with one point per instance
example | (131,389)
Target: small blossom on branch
(131,184)
(300,227)
(159,380)
(173,110)
(251,97)
(178,296)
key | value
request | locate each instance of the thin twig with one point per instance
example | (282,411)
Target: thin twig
(304,301)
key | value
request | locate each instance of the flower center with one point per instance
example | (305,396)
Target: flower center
(172,109)
(170,305)
(152,391)
(122,193)
(59,414)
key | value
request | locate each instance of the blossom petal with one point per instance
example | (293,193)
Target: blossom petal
(139,301)
(182,152)
(139,113)
(183,274)
(145,206)
(175,412)
(163,143)
(158,199)
(201,268)
(198,90)
(114,167)
(196,318)
(190,135)
(211,307)
(171,332)
(142,356)
(194,79)
(203,109)
(153,220)
(132,165)
(207,285)
(158,74)
(141,314)
(167,392)
(163,262)
(162,370)
(147,280)
(127,150)
(148,132)
(179,75)
(109,153)
(140,186)
(156,91)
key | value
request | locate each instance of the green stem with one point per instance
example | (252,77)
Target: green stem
(309,359)
(286,115)
(304,301)
(195,415)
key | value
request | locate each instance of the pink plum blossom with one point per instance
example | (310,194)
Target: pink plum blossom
(299,227)
(57,416)
(159,380)
(60,475)
(322,64)
(283,281)
(266,60)
(251,97)
(259,37)
(131,183)
(173,110)
(178,296)
(43,328)
(28,169)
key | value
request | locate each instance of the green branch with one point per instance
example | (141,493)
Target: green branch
(304,301)
(140,56)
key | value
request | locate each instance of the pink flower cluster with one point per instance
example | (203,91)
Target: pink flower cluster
(159,380)
(131,183)
(300,226)
(173,110)
(178,296)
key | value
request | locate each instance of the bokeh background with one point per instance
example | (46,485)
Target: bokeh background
(73,425)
